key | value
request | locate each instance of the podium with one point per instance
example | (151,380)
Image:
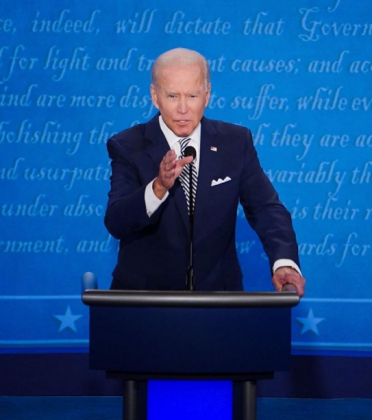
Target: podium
(242,337)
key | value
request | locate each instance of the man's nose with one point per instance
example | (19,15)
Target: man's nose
(183,106)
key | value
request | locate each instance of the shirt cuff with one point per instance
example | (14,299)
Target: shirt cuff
(151,201)
(286,263)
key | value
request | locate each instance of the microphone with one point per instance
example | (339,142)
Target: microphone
(190,151)
(88,281)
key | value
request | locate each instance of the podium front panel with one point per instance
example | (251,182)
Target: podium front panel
(187,341)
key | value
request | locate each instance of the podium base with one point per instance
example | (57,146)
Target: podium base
(244,398)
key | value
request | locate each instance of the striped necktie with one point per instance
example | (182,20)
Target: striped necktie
(185,176)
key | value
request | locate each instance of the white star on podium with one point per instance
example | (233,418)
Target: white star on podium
(68,320)
(310,323)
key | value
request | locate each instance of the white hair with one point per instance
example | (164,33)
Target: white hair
(180,57)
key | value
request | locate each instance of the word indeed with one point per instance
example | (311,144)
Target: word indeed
(64,25)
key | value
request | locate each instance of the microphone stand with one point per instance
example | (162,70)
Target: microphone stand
(190,280)
(190,269)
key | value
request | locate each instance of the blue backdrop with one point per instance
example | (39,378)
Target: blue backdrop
(297,73)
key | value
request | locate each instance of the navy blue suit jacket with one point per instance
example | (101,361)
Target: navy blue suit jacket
(154,250)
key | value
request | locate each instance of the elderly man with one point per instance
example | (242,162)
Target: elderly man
(148,208)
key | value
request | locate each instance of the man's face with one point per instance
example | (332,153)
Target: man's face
(181,96)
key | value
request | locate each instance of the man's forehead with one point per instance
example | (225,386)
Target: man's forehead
(174,80)
(195,69)
(175,89)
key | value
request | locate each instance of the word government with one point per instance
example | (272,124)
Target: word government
(315,29)
(54,246)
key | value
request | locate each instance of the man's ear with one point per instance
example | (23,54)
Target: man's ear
(154,96)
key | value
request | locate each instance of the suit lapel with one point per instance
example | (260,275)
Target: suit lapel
(157,143)
(207,167)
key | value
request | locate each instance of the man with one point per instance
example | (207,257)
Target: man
(148,210)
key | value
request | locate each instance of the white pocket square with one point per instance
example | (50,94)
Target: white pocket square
(220,181)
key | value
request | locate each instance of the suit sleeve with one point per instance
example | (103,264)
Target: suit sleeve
(126,209)
(264,211)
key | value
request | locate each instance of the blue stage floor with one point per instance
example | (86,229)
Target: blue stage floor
(110,408)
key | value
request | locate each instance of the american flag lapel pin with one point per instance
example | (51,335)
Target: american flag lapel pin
(214,149)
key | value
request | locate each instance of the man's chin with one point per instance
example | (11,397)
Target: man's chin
(183,131)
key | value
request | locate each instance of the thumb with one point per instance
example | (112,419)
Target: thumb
(185,161)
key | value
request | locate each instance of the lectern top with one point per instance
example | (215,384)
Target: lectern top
(190,299)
